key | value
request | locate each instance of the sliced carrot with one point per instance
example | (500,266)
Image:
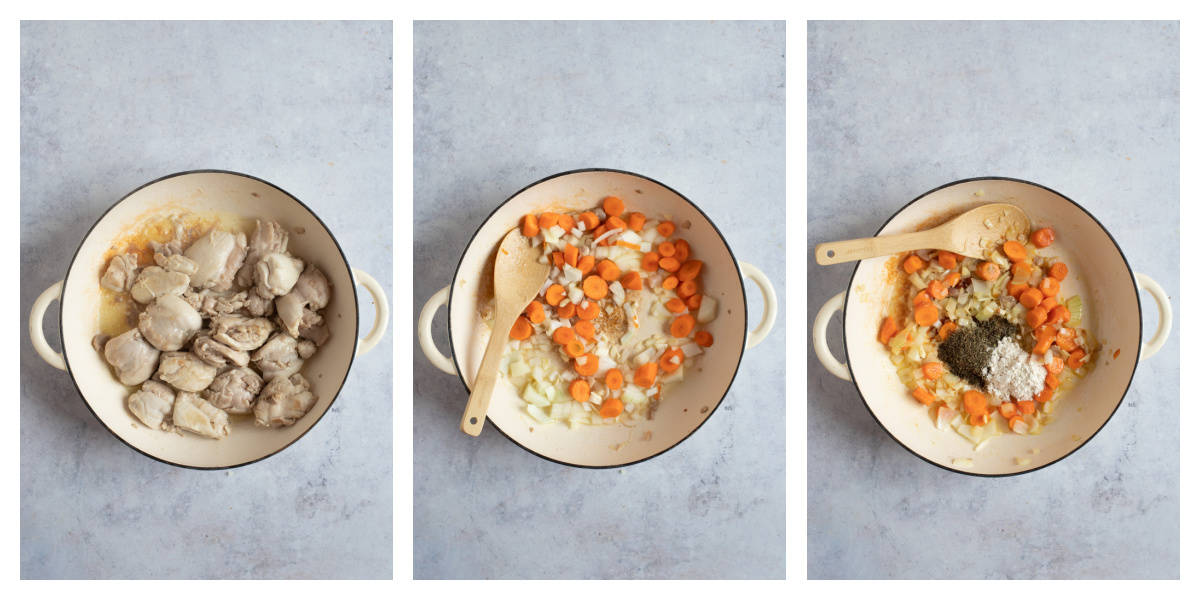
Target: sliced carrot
(1060,314)
(1049,286)
(555,294)
(922,298)
(704,339)
(630,245)
(566,311)
(1015,289)
(925,315)
(650,262)
(1030,298)
(1015,251)
(586,264)
(594,287)
(689,270)
(946,329)
(665,229)
(613,206)
(615,223)
(1042,237)
(932,370)
(644,375)
(1044,337)
(1045,395)
(521,329)
(574,348)
(1027,407)
(987,270)
(631,280)
(535,312)
(585,329)
(671,360)
(923,395)
(687,289)
(974,402)
(1058,271)
(1075,360)
(682,325)
(1056,365)
(547,220)
(637,221)
(599,231)
(979,420)
(590,220)
(1008,410)
(676,306)
(1036,316)
(937,289)
(562,335)
(580,390)
(591,364)
(529,226)
(669,264)
(611,407)
(913,263)
(1051,381)
(947,260)
(571,255)
(670,283)
(1017,424)
(952,279)
(608,270)
(666,249)
(591,311)
(1022,272)
(682,250)
(1066,339)
(558,258)
(614,379)
(886,330)
(566,222)
(1048,303)
(693,302)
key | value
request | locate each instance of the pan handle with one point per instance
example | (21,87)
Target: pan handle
(381,310)
(36,315)
(770,303)
(425,331)
(1150,348)
(821,342)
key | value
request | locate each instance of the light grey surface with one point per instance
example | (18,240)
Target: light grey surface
(698,106)
(106,107)
(1088,109)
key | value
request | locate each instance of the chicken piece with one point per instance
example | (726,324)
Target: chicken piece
(121,271)
(275,274)
(311,291)
(312,327)
(217,354)
(210,304)
(268,237)
(153,282)
(257,306)
(196,415)
(99,340)
(305,348)
(131,357)
(241,333)
(283,401)
(278,357)
(152,405)
(185,371)
(218,256)
(169,323)
(235,391)
(177,263)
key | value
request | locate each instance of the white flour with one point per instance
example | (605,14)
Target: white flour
(1013,372)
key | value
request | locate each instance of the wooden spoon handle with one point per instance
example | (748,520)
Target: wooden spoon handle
(486,377)
(831,253)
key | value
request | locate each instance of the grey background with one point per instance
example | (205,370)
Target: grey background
(106,107)
(698,106)
(1088,109)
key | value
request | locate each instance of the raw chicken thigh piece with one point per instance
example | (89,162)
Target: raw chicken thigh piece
(185,371)
(311,291)
(169,323)
(279,357)
(268,237)
(283,401)
(218,256)
(121,271)
(312,327)
(131,357)
(275,274)
(153,282)
(217,354)
(152,405)
(257,306)
(196,415)
(234,391)
(241,333)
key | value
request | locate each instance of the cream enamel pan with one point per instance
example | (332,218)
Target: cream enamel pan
(687,406)
(1099,274)
(206,192)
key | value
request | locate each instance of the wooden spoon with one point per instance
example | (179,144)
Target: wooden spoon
(973,233)
(518,279)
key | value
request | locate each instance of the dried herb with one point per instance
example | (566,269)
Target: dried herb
(967,350)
